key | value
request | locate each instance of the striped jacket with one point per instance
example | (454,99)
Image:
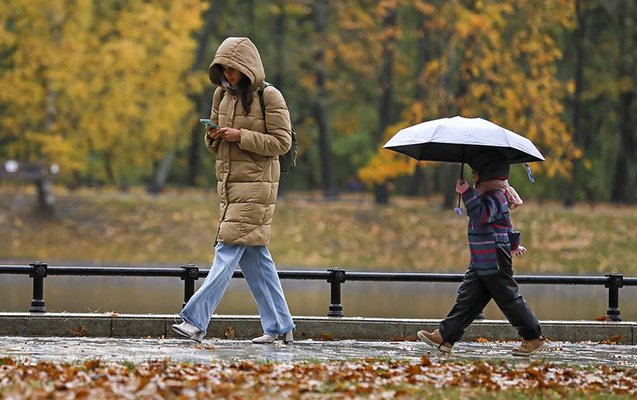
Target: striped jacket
(489,228)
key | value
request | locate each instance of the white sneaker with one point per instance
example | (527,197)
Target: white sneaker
(190,331)
(266,338)
(270,338)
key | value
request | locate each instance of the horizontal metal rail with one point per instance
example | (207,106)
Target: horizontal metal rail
(96,271)
(310,275)
(335,276)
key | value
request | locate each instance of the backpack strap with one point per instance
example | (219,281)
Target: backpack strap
(262,102)
(260,91)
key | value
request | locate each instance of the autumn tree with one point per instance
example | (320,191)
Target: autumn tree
(499,63)
(97,87)
(112,91)
(598,63)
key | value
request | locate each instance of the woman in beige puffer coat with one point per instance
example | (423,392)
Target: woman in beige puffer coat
(246,147)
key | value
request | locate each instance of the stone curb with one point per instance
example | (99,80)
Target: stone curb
(316,328)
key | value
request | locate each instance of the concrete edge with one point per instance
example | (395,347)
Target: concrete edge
(307,327)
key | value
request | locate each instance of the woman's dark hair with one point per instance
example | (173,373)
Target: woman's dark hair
(244,93)
(243,90)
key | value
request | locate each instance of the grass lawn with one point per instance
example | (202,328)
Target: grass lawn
(103,226)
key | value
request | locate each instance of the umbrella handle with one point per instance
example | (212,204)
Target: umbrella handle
(458,210)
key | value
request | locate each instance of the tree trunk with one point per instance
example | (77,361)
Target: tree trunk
(446,175)
(422,55)
(202,102)
(280,28)
(417,181)
(160,175)
(387,72)
(46,199)
(108,167)
(251,13)
(580,34)
(279,34)
(624,180)
(320,110)
(449,175)
(382,191)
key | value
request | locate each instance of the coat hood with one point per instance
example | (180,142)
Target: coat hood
(241,54)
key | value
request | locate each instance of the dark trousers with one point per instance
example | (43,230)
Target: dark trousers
(477,290)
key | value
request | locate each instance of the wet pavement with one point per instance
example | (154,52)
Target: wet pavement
(136,350)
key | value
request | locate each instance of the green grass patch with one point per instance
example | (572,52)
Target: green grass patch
(178,227)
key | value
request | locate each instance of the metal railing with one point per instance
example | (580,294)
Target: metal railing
(189,273)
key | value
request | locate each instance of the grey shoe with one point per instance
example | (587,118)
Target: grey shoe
(267,338)
(190,331)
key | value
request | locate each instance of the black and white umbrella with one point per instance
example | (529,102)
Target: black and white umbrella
(460,139)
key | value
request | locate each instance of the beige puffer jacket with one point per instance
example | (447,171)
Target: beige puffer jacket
(247,171)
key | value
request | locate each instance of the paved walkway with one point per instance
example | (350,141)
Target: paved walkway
(136,350)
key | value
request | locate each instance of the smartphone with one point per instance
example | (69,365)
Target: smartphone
(208,123)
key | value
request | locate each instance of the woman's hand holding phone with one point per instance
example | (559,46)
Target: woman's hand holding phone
(212,129)
(230,134)
(208,123)
(225,133)
(213,133)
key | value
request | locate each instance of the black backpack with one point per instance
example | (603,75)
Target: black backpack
(287,161)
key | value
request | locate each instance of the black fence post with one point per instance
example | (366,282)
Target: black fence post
(337,276)
(615,281)
(38,273)
(189,275)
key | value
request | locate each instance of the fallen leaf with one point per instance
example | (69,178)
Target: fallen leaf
(229,333)
(79,330)
(425,361)
(612,340)
(326,337)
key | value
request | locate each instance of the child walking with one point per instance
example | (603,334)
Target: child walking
(492,243)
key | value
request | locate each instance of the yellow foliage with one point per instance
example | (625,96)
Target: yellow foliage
(386,164)
(425,7)
(93,80)
(509,74)
(506,58)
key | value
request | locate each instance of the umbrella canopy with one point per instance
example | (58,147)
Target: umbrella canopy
(460,139)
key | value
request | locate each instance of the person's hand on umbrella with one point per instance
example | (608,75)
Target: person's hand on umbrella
(518,251)
(461,186)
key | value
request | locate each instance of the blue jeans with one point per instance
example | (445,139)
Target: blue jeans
(260,273)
